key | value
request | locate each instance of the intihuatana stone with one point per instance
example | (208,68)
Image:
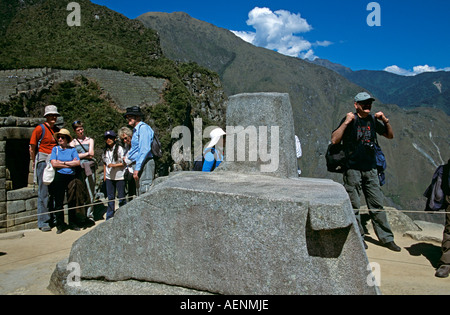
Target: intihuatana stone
(236,230)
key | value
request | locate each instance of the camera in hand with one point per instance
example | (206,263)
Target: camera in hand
(369,146)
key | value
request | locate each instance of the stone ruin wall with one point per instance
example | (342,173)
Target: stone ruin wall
(18,196)
(125,89)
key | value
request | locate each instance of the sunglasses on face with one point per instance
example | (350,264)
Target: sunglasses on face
(61,137)
(366,102)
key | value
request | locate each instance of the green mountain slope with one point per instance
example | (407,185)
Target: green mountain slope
(320,99)
(37,35)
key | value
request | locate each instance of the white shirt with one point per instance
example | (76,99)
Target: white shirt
(298,147)
(113,173)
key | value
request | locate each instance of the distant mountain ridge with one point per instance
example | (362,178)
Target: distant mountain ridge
(320,98)
(428,89)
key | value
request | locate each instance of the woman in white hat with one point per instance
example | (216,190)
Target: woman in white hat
(64,160)
(214,156)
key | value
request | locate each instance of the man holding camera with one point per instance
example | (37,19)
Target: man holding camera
(358,132)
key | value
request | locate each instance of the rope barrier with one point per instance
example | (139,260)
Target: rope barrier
(397,261)
(102,201)
(403,211)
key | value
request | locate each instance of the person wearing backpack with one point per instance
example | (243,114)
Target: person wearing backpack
(85,148)
(42,142)
(358,132)
(141,149)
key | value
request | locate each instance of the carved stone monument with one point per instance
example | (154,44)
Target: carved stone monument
(246,228)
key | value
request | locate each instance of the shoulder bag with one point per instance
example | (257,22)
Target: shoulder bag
(49,172)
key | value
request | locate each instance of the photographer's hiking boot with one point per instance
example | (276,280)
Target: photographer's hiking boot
(392,246)
(443,271)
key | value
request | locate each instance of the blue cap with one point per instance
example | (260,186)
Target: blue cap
(110,134)
(363,96)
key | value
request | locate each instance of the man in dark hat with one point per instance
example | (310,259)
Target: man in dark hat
(358,131)
(140,151)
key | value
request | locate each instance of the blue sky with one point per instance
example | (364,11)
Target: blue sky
(413,36)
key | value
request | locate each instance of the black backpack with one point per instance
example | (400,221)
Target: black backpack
(156,147)
(336,158)
(198,162)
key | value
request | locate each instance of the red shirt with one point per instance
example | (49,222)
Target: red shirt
(48,141)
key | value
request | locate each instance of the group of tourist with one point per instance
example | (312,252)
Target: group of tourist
(132,165)
(127,165)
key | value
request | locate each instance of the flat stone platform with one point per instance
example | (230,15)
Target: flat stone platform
(230,233)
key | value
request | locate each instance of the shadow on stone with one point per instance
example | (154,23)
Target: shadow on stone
(325,243)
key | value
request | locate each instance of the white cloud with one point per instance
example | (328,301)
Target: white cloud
(278,31)
(324,43)
(397,70)
(416,70)
(247,36)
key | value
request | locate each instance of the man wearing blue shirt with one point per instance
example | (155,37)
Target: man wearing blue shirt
(140,151)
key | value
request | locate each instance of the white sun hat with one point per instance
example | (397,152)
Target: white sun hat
(215,137)
(51,110)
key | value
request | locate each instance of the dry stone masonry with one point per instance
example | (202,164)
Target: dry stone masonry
(18,198)
(18,194)
(125,89)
